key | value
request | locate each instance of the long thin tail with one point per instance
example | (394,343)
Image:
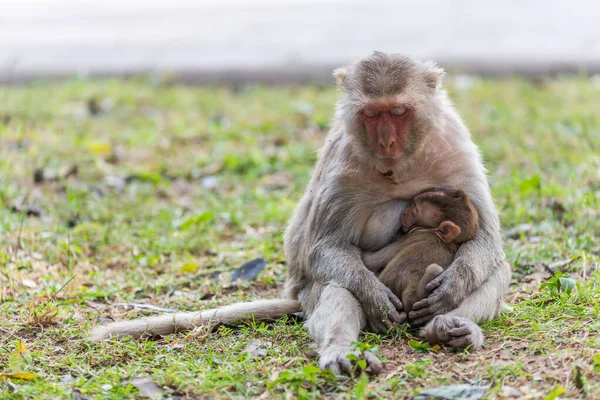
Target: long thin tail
(184,321)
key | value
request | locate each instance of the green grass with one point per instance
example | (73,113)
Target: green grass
(125,203)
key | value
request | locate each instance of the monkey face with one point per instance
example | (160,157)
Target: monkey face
(422,214)
(389,104)
(388,126)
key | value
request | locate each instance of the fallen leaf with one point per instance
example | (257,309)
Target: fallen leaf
(18,358)
(29,209)
(580,381)
(189,267)
(100,148)
(77,395)
(29,283)
(93,106)
(145,307)
(453,392)
(556,206)
(257,348)
(510,392)
(567,284)
(199,219)
(26,376)
(555,393)
(114,181)
(558,265)
(148,388)
(418,346)
(249,271)
(209,182)
(516,231)
(38,175)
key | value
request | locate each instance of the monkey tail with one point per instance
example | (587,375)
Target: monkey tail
(185,321)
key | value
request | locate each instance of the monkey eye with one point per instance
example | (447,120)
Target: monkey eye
(398,111)
(370,113)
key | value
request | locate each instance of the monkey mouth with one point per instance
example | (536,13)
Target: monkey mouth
(390,161)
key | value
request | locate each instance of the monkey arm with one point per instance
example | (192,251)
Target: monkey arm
(376,260)
(475,261)
(341,265)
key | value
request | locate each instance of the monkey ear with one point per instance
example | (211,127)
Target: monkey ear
(433,74)
(340,76)
(448,231)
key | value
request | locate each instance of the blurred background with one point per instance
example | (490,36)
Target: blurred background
(290,40)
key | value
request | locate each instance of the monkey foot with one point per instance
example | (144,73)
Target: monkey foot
(457,332)
(335,358)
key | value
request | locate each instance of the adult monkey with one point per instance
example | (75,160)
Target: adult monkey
(394,134)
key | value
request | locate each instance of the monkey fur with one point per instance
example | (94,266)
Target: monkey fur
(435,224)
(394,134)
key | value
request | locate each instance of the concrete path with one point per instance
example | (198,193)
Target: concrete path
(278,40)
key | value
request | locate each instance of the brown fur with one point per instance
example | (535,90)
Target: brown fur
(409,272)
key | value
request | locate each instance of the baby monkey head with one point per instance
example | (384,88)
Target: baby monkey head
(449,211)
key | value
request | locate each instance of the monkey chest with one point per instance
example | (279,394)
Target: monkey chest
(381,225)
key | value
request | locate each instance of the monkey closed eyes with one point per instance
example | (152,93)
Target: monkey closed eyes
(395,133)
(435,224)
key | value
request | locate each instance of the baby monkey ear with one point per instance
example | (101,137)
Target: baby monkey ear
(448,231)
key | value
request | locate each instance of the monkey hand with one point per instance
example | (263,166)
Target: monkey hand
(440,300)
(381,306)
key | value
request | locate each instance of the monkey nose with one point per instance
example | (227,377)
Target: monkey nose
(388,145)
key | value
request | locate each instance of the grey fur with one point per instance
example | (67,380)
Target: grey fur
(350,206)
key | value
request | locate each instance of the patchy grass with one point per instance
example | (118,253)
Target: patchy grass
(137,192)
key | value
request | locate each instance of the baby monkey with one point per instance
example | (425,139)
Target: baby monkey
(435,224)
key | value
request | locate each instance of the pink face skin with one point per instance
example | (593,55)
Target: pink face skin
(388,125)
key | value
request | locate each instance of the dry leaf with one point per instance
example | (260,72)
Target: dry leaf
(100,148)
(19,358)
(147,387)
(189,267)
(29,283)
(27,376)
(145,307)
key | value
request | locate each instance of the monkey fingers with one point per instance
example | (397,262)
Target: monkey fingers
(435,282)
(382,309)
(465,334)
(335,358)
(460,331)
(424,310)
(373,363)
(375,324)
(395,300)
(473,341)
(382,320)
(420,319)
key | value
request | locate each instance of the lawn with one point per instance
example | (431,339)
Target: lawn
(116,193)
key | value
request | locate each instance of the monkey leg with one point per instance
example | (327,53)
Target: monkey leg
(334,321)
(431,272)
(458,328)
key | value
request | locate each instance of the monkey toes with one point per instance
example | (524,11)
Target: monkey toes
(335,359)
(457,332)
